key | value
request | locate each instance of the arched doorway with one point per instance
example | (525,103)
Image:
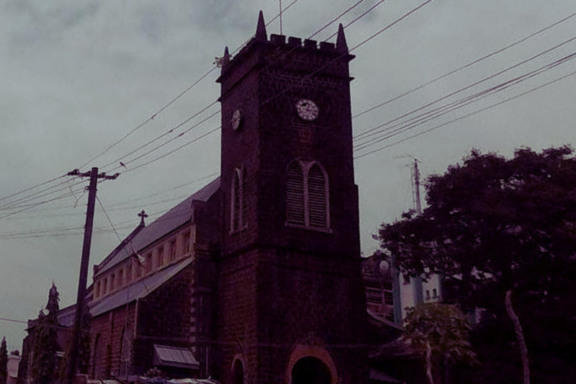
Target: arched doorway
(310,370)
(238,372)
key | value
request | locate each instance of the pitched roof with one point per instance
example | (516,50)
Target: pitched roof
(138,289)
(168,222)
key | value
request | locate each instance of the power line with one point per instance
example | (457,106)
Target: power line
(369,132)
(151,117)
(213,131)
(357,18)
(466,66)
(31,188)
(469,114)
(25,201)
(427,116)
(210,105)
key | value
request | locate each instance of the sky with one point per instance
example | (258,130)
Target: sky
(88,84)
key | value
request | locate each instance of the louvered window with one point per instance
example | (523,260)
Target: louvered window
(239,201)
(295,211)
(307,201)
(317,202)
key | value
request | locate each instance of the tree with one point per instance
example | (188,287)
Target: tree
(505,229)
(45,343)
(440,333)
(3,361)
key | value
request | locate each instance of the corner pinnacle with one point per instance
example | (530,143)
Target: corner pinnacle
(261,34)
(341,45)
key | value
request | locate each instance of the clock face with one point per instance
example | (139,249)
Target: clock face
(307,109)
(236,119)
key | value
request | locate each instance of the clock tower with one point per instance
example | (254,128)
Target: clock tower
(290,304)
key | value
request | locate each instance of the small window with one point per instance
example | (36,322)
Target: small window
(149,262)
(112,282)
(105,286)
(120,278)
(160,257)
(187,243)
(434,293)
(173,250)
(97,290)
(128,273)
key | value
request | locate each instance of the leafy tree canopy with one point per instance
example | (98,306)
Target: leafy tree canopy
(512,222)
(45,343)
(494,225)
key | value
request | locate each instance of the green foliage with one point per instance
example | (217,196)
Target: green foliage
(444,328)
(493,220)
(493,225)
(45,344)
(3,361)
(440,333)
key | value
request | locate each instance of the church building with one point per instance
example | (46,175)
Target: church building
(256,278)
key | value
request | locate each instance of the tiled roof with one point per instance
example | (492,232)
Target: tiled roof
(160,227)
(138,289)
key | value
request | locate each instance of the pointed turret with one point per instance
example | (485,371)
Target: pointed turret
(226,57)
(341,45)
(261,34)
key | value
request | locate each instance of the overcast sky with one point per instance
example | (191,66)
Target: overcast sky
(75,77)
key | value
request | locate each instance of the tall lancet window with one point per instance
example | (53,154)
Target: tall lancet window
(295,202)
(307,195)
(238,201)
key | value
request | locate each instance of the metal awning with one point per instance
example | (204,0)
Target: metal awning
(174,357)
(379,376)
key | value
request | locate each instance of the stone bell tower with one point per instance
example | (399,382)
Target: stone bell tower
(290,305)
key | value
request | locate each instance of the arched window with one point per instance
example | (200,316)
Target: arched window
(238,201)
(307,195)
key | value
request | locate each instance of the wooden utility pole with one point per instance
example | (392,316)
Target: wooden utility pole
(81,297)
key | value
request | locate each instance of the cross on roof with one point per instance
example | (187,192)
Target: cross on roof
(142,216)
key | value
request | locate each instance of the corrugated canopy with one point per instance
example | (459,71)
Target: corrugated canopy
(175,357)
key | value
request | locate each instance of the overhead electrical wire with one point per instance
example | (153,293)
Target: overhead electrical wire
(196,125)
(165,107)
(369,132)
(491,54)
(35,196)
(472,97)
(469,114)
(31,188)
(357,18)
(430,115)
(371,37)
(138,127)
